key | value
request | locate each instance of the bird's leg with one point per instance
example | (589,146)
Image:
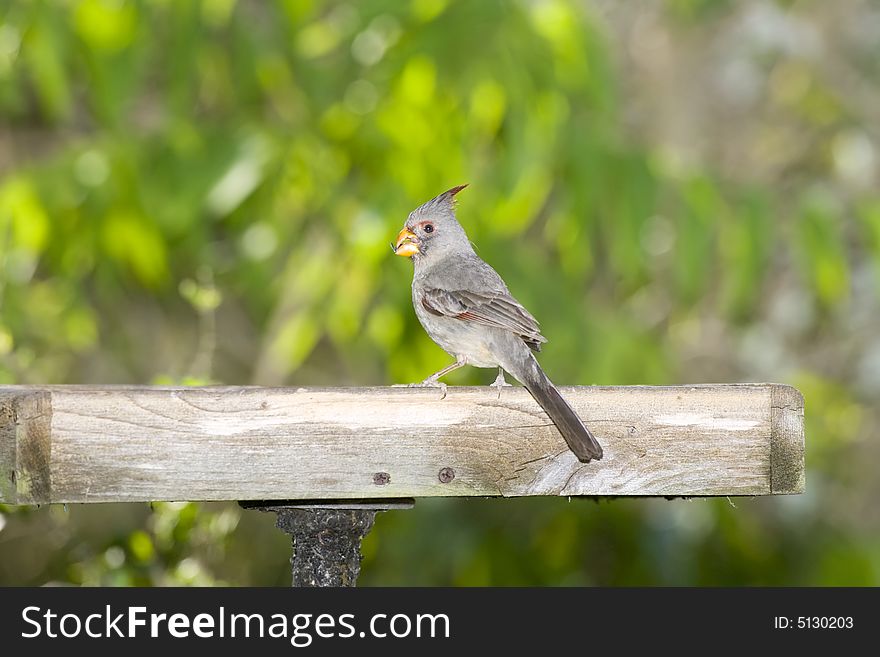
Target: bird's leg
(500,382)
(433,380)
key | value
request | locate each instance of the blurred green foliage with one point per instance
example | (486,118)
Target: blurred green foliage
(685,191)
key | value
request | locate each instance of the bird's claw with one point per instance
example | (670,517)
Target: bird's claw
(500,383)
(433,383)
(427,383)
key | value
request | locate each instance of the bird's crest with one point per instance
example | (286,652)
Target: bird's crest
(444,201)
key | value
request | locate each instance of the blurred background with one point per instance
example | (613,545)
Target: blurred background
(682,191)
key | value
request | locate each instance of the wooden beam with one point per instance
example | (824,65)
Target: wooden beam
(126,444)
(25,446)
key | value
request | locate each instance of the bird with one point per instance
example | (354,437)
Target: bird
(466,308)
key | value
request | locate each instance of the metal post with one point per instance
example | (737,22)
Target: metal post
(326,536)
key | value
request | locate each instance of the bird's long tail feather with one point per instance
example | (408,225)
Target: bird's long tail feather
(580,440)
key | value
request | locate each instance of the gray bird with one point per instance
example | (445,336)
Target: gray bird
(466,308)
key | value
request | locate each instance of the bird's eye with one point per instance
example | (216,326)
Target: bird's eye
(428,228)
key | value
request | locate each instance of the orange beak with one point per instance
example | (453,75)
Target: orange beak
(407,243)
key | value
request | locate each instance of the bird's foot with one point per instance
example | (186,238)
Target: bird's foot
(500,383)
(430,382)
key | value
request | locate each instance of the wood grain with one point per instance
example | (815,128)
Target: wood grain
(25,446)
(115,444)
(787,449)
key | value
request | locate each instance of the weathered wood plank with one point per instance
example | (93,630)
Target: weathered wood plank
(113,444)
(7,447)
(25,446)
(787,449)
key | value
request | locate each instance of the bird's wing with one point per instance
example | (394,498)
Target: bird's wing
(490,308)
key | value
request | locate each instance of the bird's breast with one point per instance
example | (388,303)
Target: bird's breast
(457,337)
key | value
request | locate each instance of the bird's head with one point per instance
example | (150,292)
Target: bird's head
(431,231)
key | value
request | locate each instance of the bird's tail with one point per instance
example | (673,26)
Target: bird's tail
(580,440)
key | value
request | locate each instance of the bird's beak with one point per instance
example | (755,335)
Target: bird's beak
(407,243)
